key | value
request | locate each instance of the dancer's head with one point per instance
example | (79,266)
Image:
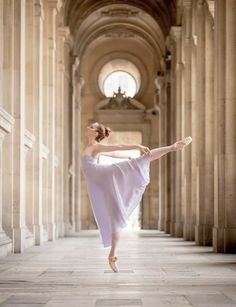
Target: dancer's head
(98,131)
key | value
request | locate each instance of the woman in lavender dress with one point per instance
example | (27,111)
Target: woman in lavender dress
(116,190)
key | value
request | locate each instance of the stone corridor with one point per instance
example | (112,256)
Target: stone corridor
(154,270)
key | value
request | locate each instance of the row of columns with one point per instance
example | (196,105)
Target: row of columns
(36,161)
(201,188)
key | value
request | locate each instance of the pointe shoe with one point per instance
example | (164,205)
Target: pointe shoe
(112,261)
(181,144)
(188,140)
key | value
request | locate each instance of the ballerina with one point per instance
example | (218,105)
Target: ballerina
(116,190)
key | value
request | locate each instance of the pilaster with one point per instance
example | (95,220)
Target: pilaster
(224,234)
(176,160)
(38,119)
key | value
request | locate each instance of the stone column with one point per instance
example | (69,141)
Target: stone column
(78,84)
(224,235)
(160,88)
(26,176)
(204,209)
(69,218)
(38,113)
(62,35)
(19,231)
(7,96)
(177,223)
(29,120)
(52,9)
(186,180)
(6,126)
(193,178)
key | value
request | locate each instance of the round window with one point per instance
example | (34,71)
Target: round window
(119,73)
(121,79)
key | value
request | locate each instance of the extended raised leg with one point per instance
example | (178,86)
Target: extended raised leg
(156,153)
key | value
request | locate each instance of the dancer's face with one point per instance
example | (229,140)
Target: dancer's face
(92,131)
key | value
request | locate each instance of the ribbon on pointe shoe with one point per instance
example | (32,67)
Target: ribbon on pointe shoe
(112,261)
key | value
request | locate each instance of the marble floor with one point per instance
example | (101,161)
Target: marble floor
(154,270)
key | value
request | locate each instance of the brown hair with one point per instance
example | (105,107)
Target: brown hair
(102,132)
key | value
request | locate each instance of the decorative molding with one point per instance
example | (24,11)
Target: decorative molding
(55,4)
(119,101)
(71,171)
(187,4)
(119,34)
(44,151)
(6,121)
(38,9)
(118,12)
(63,32)
(29,139)
(55,161)
(194,38)
(211,6)
(175,32)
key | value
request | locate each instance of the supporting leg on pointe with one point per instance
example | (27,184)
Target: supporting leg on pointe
(115,239)
(112,258)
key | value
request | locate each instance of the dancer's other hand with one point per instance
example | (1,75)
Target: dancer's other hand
(144,150)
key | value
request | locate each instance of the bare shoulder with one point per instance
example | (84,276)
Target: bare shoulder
(90,151)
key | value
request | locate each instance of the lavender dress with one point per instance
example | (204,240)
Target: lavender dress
(114,191)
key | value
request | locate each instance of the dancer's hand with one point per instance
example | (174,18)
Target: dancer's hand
(144,150)
(181,144)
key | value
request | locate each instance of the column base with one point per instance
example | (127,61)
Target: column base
(178,230)
(77,226)
(51,231)
(45,233)
(203,235)
(38,233)
(69,229)
(59,229)
(189,232)
(161,224)
(172,228)
(167,226)
(19,239)
(29,238)
(224,240)
(6,245)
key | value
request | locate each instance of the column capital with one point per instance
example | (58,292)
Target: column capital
(55,4)
(159,81)
(211,6)
(175,32)
(38,8)
(187,4)
(63,32)
(69,40)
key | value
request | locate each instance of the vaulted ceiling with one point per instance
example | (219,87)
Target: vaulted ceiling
(148,21)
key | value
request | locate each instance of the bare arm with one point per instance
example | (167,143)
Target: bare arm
(115,154)
(109,148)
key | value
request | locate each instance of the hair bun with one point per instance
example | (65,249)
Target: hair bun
(107,131)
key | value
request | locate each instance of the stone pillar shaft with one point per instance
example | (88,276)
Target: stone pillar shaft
(224,235)
(19,129)
(177,223)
